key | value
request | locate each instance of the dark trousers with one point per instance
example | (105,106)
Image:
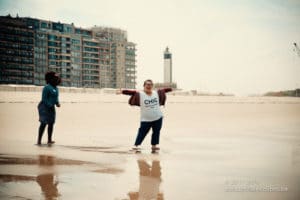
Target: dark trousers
(145,128)
(42,129)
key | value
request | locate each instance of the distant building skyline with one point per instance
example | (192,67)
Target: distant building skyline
(240,47)
(99,57)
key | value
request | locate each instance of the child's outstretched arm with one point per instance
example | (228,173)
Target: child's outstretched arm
(166,90)
(127,92)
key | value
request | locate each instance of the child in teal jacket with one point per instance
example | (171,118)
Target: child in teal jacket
(46,107)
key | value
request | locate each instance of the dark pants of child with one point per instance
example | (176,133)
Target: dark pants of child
(145,128)
(41,132)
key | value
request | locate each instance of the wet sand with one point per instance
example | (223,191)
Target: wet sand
(211,148)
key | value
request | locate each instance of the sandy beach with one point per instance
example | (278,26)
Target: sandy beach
(228,148)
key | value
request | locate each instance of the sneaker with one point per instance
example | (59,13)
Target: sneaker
(155,148)
(136,148)
(51,142)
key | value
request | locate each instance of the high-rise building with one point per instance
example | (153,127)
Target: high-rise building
(122,58)
(16,52)
(167,66)
(40,57)
(98,57)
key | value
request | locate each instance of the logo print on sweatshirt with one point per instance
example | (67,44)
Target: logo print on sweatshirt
(150,101)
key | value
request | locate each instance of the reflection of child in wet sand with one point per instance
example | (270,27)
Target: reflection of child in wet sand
(149,101)
(150,179)
(48,185)
(46,107)
(47,181)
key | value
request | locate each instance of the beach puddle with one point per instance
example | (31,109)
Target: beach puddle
(43,160)
(46,176)
(109,150)
(16,178)
(96,148)
(108,171)
(49,161)
(46,183)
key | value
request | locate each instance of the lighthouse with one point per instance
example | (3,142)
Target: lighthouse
(168,78)
(167,66)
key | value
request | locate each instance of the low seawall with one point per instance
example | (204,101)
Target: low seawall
(33,88)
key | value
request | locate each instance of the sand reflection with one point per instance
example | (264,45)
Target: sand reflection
(48,181)
(150,179)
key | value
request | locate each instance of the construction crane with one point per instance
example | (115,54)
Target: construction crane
(297,49)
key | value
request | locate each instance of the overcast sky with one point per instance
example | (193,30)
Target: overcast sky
(240,47)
